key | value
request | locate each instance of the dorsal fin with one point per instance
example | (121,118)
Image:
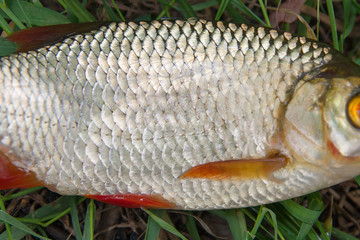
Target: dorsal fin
(37,37)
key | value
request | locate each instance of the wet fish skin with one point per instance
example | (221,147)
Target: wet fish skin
(131,107)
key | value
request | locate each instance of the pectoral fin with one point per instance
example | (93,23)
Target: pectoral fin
(134,200)
(237,169)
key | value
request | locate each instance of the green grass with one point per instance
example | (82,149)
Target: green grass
(284,220)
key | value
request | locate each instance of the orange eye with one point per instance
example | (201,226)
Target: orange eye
(353,111)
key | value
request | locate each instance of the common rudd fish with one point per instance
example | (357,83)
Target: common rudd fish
(188,114)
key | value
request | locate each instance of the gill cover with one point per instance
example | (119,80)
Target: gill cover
(303,127)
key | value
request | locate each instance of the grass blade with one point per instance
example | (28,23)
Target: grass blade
(75,219)
(337,234)
(263,211)
(223,5)
(317,19)
(16,223)
(315,205)
(89,221)
(237,223)
(7,226)
(23,13)
(203,5)
(356,5)
(42,231)
(333,24)
(264,11)
(186,9)
(21,193)
(37,3)
(191,227)
(78,10)
(12,16)
(118,11)
(219,213)
(153,229)
(6,47)
(324,234)
(37,15)
(166,10)
(112,15)
(349,22)
(357,179)
(301,213)
(166,226)
(234,14)
(43,214)
(5,26)
(245,10)
(166,3)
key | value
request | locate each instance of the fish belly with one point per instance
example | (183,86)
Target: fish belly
(130,107)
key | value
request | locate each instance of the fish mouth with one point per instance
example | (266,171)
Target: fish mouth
(334,151)
(342,167)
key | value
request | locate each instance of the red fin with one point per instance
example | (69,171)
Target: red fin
(37,37)
(237,169)
(12,176)
(134,200)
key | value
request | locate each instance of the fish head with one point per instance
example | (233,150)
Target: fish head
(322,122)
(342,118)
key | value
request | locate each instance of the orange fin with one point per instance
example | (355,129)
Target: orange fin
(37,37)
(12,176)
(237,169)
(134,200)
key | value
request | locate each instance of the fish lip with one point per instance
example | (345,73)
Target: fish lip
(334,151)
(342,167)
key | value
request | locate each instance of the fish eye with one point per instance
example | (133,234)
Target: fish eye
(353,111)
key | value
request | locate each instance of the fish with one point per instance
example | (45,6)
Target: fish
(177,114)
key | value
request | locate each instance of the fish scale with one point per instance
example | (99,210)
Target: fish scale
(130,107)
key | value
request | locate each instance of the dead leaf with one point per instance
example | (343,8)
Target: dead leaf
(292,5)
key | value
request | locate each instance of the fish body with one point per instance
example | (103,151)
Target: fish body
(188,114)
